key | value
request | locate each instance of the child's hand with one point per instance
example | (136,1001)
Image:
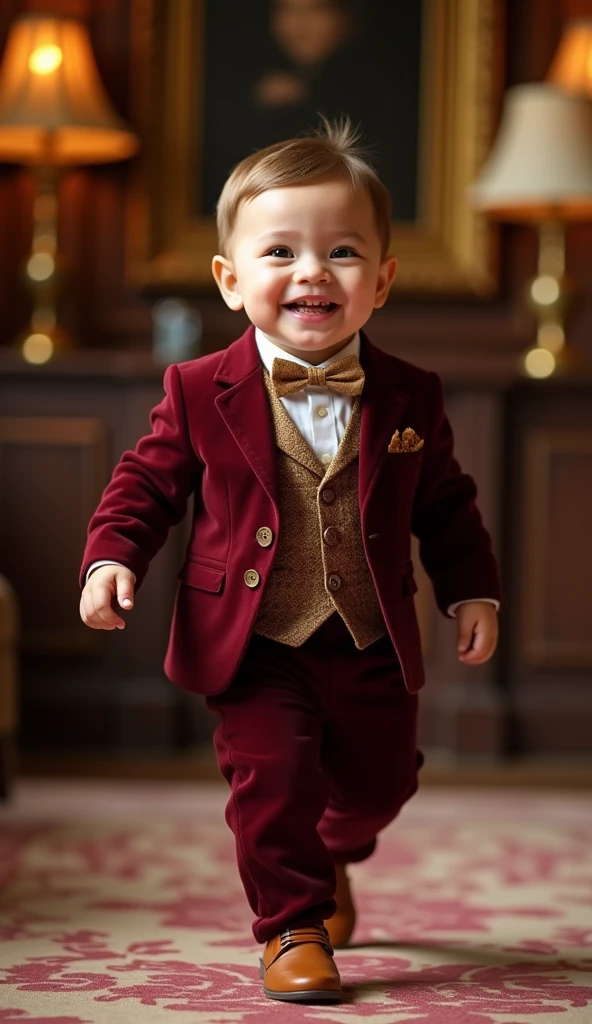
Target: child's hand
(105,583)
(476,632)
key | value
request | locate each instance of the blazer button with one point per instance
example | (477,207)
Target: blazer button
(334,581)
(331,536)
(251,578)
(264,536)
(328,495)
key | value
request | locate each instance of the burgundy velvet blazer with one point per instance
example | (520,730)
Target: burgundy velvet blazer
(212,437)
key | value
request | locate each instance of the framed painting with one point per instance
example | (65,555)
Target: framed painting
(214,80)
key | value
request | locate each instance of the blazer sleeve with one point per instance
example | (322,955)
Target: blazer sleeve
(148,491)
(454,545)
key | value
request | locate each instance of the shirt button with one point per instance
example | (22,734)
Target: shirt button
(322,411)
(331,536)
(328,495)
(326,458)
(251,578)
(264,536)
(334,581)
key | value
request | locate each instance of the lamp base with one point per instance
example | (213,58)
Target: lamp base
(38,345)
(540,362)
(550,295)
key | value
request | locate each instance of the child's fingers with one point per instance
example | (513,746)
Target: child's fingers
(465,636)
(482,646)
(125,592)
(469,657)
(96,610)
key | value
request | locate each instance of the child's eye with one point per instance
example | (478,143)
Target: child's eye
(343,252)
(280,252)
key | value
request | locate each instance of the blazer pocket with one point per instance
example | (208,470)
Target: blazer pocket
(409,585)
(202,577)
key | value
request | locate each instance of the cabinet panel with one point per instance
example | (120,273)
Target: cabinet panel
(62,430)
(52,472)
(547,637)
(556,570)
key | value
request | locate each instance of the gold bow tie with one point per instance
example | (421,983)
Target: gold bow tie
(345,376)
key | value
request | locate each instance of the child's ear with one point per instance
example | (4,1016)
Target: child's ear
(386,275)
(225,278)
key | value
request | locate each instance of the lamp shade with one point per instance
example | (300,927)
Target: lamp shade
(572,65)
(540,166)
(53,107)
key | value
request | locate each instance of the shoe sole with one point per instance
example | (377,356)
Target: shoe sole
(321,995)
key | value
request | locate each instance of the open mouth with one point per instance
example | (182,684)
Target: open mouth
(313,308)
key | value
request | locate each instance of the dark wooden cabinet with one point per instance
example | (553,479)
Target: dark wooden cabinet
(548,530)
(62,428)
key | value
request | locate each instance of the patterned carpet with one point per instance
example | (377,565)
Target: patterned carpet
(120,903)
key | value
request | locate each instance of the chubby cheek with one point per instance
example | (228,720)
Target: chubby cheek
(359,290)
(265,301)
(268,290)
(262,308)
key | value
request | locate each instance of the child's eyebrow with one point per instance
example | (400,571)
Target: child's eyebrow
(278,233)
(271,236)
(354,235)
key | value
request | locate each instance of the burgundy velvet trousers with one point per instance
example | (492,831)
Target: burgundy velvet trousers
(318,745)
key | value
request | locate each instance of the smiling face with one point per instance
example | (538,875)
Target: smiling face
(305,263)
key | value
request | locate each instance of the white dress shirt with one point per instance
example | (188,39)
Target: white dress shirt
(320,414)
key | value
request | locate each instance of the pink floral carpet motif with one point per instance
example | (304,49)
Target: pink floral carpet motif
(120,903)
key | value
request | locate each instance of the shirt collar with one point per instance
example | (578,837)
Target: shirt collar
(268,351)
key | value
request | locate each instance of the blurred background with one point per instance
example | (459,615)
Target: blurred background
(119,120)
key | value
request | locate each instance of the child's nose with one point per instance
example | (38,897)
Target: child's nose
(312,270)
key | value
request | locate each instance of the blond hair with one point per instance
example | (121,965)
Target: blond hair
(331,152)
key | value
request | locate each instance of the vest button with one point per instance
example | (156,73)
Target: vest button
(331,536)
(251,578)
(334,581)
(264,536)
(328,495)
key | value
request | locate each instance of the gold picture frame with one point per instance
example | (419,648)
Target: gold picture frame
(448,249)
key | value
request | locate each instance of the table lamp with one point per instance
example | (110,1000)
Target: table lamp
(539,172)
(571,68)
(54,112)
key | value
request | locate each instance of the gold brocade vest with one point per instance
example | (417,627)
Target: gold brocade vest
(320,566)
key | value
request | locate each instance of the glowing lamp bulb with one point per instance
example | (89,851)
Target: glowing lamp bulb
(45,59)
(539,363)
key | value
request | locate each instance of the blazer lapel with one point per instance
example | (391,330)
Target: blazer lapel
(383,405)
(244,407)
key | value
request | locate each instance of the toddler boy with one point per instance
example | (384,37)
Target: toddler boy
(312,457)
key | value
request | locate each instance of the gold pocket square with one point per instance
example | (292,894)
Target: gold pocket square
(408,442)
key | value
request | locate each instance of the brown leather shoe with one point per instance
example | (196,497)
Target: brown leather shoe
(342,924)
(298,967)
